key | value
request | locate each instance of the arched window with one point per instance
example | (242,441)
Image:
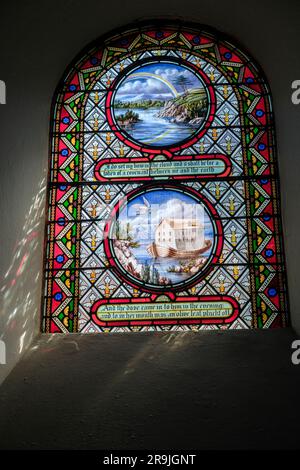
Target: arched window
(163,190)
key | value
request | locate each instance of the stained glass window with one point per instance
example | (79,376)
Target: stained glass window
(163,206)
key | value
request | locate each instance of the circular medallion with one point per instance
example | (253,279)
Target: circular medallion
(164,236)
(160,104)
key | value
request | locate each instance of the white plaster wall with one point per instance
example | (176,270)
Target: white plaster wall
(37,41)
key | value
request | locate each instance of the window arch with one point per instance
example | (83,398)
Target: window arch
(163,190)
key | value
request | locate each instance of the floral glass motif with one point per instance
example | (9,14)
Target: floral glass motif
(164,209)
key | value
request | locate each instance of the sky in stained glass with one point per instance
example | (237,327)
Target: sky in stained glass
(156,81)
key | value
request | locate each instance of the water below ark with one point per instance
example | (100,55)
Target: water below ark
(162,264)
(156,131)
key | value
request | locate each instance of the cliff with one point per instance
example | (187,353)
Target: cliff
(188,108)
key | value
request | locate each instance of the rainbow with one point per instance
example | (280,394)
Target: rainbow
(156,77)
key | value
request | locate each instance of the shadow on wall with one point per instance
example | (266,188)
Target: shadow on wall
(21,287)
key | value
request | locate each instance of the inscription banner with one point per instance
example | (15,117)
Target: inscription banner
(178,167)
(215,310)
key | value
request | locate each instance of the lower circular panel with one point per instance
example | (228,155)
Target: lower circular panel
(163,236)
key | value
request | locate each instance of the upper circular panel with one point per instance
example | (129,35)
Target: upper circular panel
(160,104)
